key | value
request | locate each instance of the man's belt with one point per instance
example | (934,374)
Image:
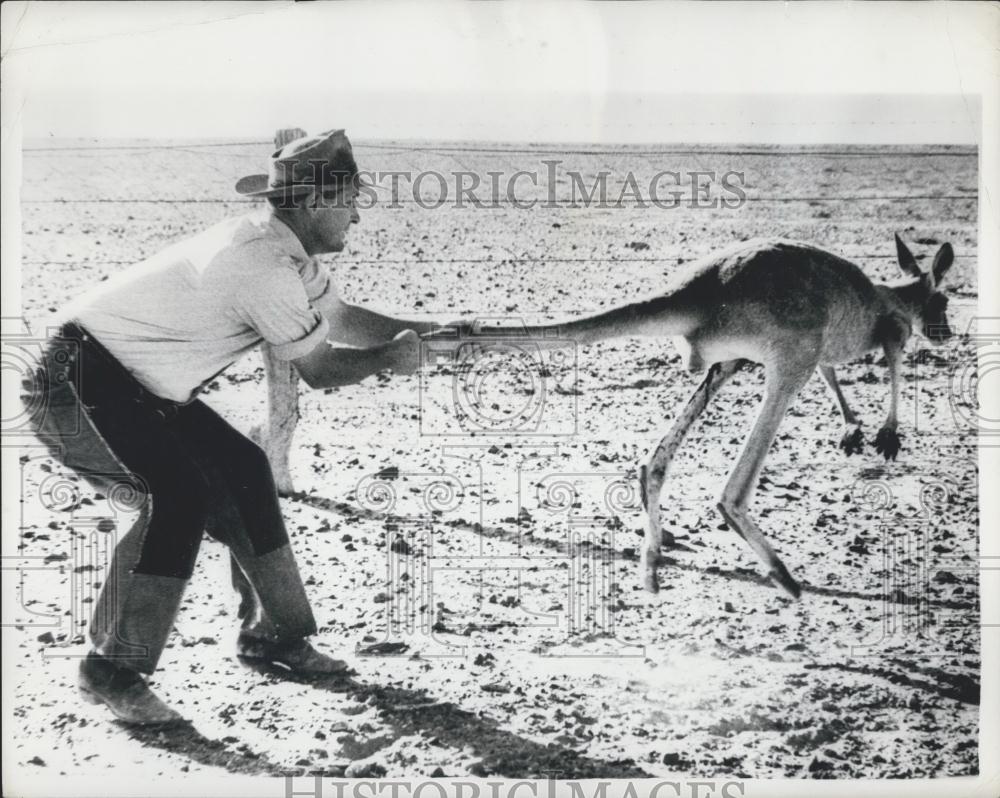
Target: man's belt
(92,352)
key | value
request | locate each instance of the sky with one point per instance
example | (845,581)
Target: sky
(544,72)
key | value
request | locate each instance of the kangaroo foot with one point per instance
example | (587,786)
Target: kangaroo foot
(853,440)
(781,578)
(887,443)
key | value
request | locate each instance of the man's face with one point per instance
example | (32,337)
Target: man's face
(331,218)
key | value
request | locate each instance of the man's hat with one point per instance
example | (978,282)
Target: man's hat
(325,162)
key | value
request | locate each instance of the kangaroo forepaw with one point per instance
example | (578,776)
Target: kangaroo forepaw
(853,440)
(887,443)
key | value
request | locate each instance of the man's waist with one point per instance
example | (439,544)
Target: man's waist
(100,365)
(172,367)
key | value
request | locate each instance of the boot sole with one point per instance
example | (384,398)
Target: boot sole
(278,668)
(92,697)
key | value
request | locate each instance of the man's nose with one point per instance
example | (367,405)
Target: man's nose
(355,216)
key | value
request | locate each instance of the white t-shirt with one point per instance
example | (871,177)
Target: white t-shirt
(180,317)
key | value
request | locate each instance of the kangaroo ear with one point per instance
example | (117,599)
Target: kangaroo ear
(942,262)
(906,260)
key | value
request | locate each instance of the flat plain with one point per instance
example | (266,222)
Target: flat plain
(485,586)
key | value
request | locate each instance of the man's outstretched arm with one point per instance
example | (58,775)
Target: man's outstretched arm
(329,366)
(358,326)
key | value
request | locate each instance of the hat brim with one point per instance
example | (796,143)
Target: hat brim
(256,186)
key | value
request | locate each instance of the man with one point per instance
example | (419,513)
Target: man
(124,374)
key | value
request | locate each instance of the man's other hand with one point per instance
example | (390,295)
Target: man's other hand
(453,329)
(405,352)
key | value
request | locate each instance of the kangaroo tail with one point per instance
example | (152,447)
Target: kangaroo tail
(658,316)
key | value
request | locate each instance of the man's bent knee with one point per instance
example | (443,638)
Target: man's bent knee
(179,514)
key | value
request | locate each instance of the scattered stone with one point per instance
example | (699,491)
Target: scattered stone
(674,760)
(365,769)
(400,546)
(386,648)
(820,765)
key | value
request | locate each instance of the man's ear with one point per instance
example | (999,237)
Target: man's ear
(942,262)
(906,260)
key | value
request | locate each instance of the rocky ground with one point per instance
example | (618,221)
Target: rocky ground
(485,587)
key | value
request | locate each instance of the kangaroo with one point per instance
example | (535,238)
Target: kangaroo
(792,308)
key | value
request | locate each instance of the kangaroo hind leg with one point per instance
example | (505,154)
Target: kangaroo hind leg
(783,384)
(653,474)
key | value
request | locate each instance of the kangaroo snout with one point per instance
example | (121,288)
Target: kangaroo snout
(938,333)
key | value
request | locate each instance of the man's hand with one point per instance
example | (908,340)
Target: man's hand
(404,353)
(329,366)
(453,329)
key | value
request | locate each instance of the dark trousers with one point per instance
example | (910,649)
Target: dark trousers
(192,473)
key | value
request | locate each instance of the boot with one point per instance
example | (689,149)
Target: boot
(273,602)
(124,692)
(134,619)
(276,616)
(135,612)
(297,656)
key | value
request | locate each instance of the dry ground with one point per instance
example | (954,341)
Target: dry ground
(533,650)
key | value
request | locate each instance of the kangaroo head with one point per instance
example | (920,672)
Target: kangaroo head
(928,305)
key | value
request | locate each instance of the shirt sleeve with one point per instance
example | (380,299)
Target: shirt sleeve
(274,302)
(316,279)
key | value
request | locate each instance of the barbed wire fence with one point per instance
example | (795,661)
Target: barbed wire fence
(859,152)
(253,152)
